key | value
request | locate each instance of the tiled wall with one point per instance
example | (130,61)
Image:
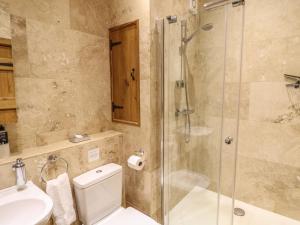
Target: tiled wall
(62,74)
(268,138)
(268,146)
(110,144)
(142,191)
(180,158)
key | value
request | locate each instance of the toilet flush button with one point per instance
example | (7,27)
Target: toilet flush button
(93,155)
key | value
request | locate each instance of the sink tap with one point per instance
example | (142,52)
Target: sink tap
(19,168)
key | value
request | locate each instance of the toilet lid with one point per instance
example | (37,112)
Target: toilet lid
(129,216)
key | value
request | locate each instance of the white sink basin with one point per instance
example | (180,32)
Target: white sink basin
(27,207)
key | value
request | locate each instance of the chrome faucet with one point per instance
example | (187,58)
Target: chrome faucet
(19,168)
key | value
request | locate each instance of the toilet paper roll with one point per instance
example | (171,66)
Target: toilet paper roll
(135,162)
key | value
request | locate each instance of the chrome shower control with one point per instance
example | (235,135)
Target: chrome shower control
(228,140)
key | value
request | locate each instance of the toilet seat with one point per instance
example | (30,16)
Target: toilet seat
(129,216)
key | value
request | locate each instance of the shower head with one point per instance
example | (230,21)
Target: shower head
(206,27)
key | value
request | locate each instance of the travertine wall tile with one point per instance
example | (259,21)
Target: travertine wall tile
(268,135)
(5,24)
(69,71)
(49,11)
(20,47)
(84,13)
(61,59)
(141,186)
(110,143)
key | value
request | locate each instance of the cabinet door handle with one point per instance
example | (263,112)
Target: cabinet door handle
(132,74)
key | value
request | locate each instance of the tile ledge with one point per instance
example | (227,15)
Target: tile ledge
(58,146)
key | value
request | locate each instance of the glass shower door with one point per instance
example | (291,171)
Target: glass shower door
(202,59)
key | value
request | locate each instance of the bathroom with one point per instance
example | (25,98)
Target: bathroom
(147,112)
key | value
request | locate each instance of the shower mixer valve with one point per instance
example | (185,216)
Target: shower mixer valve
(184,112)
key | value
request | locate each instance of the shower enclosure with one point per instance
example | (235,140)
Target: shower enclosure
(201,62)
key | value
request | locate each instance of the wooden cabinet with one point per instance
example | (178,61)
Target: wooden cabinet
(125,73)
(7,86)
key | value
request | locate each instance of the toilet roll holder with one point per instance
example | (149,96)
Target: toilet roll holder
(140,153)
(138,160)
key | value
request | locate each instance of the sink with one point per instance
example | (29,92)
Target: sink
(30,206)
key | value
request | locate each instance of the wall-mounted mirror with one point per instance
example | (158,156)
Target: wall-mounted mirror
(59,85)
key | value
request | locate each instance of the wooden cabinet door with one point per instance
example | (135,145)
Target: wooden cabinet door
(8,112)
(125,73)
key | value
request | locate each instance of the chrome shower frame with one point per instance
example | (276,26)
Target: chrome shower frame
(181,84)
(218,3)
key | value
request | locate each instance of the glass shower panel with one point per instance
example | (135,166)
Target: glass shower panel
(233,110)
(268,182)
(194,92)
(202,58)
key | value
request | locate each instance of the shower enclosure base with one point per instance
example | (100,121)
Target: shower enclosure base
(199,207)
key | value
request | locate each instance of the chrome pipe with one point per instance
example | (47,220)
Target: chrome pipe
(217,3)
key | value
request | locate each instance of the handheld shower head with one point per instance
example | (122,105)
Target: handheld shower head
(206,27)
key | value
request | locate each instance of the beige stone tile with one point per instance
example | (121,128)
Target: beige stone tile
(230,104)
(277,143)
(40,110)
(215,38)
(292,11)
(211,65)
(264,104)
(292,55)
(4,5)
(5,24)
(264,60)
(54,12)
(50,55)
(76,156)
(19,47)
(121,13)
(46,138)
(236,102)
(90,16)
(138,189)
(271,19)
(269,185)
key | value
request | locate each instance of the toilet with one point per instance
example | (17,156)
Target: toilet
(99,196)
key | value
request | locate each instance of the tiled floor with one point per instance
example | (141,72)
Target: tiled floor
(199,207)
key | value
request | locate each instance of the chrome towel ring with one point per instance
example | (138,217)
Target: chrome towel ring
(52,159)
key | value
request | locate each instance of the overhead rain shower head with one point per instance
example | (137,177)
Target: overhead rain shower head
(206,27)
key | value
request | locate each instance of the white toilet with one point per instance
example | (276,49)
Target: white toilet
(99,196)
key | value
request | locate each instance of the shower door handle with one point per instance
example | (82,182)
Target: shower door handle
(228,140)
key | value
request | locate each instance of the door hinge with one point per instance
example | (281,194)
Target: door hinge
(113,44)
(115,106)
